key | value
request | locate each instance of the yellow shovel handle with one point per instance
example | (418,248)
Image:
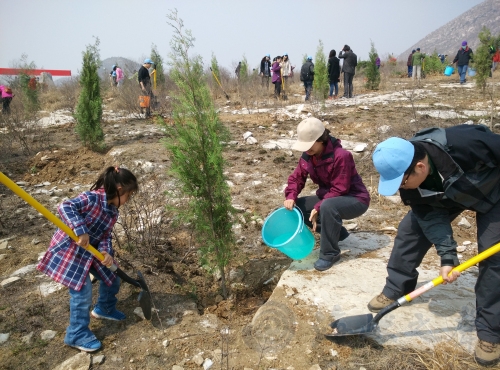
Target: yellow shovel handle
(46,213)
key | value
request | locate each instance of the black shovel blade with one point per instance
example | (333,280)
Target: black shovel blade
(352,325)
(144,297)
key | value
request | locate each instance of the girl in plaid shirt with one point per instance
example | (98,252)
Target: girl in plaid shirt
(92,216)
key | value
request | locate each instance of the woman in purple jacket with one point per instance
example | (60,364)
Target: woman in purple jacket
(341,194)
(276,68)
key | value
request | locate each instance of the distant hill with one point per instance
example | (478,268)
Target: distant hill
(128,66)
(448,38)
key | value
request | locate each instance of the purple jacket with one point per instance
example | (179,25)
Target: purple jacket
(276,68)
(335,173)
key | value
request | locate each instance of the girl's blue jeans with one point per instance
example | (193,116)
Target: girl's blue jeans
(78,332)
(336,86)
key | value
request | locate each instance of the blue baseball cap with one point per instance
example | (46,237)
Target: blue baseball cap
(268,55)
(148,61)
(392,158)
(309,57)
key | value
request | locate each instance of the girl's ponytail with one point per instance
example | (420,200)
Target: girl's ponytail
(112,177)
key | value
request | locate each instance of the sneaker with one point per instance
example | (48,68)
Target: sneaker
(379,302)
(91,346)
(113,315)
(323,265)
(487,353)
(330,98)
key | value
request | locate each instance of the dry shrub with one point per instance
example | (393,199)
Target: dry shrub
(142,226)
(60,97)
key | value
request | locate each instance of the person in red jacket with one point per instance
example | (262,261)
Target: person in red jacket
(341,194)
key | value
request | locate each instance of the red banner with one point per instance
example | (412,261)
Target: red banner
(36,72)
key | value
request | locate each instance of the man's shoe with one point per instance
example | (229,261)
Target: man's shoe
(487,353)
(344,234)
(91,346)
(323,265)
(114,315)
(379,302)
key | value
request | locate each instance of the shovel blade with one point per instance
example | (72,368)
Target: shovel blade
(352,325)
(144,297)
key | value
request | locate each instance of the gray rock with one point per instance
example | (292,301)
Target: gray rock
(35,241)
(9,281)
(80,361)
(27,338)
(246,135)
(4,337)
(48,334)
(461,248)
(24,270)
(138,312)
(97,360)
(3,244)
(165,343)
(252,140)
(351,226)
(21,183)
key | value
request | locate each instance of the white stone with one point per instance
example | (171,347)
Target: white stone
(396,199)
(252,140)
(9,281)
(24,270)
(246,135)
(177,367)
(230,183)
(359,148)
(470,122)
(21,183)
(3,244)
(198,359)
(350,226)
(333,352)
(383,129)
(49,288)
(80,361)
(466,243)
(388,228)
(165,343)
(207,364)
(256,183)
(48,334)
(315,367)
(461,248)
(4,337)
(464,223)
(138,312)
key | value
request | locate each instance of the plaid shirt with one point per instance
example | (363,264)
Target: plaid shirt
(66,262)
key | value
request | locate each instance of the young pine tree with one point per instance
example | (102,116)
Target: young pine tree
(88,111)
(158,65)
(194,145)
(321,85)
(214,64)
(482,58)
(244,77)
(371,72)
(29,87)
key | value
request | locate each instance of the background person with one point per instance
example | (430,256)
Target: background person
(463,57)
(265,70)
(6,95)
(333,74)
(144,79)
(416,62)
(120,76)
(307,76)
(349,69)
(286,69)
(276,68)
(409,63)
(457,168)
(341,194)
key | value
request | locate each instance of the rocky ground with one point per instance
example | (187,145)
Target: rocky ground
(194,326)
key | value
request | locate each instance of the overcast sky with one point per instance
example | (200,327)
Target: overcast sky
(53,33)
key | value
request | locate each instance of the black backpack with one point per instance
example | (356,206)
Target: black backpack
(305,72)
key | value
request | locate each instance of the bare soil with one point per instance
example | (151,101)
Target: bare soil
(191,312)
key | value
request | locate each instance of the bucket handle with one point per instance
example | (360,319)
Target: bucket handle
(303,219)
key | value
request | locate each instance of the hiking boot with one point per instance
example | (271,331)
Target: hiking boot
(91,346)
(323,265)
(379,302)
(487,353)
(114,315)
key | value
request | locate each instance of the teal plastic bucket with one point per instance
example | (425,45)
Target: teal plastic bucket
(285,231)
(472,71)
(448,71)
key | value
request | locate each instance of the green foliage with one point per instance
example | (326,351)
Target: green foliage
(194,143)
(362,64)
(244,76)
(321,85)
(482,58)
(215,66)
(29,87)
(432,65)
(88,111)
(158,60)
(372,73)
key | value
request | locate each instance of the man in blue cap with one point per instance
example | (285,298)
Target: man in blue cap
(307,76)
(440,173)
(144,79)
(463,57)
(265,70)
